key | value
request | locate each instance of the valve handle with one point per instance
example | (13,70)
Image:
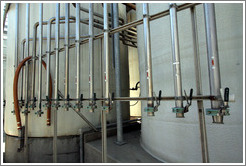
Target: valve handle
(226,94)
(112,96)
(191,93)
(94,96)
(159,97)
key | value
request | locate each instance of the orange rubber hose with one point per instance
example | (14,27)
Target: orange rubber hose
(15,93)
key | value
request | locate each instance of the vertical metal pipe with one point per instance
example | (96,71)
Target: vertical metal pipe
(81,145)
(213,57)
(201,116)
(106,77)
(106,51)
(16,34)
(176,58)
(91,54)
(67,13)
(117,74)
(34,64)
(104,136)
(48,58)
(78,51)
(40,57)
(57,35)
(147,51)
(22,72)
(26,75)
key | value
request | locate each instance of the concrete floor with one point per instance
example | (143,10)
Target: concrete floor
(131,152)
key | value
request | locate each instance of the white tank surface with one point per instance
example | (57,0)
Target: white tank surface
(174,139)
(68,121)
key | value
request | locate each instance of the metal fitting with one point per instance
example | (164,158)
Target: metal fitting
(106,108)
(92,106)
(39,113)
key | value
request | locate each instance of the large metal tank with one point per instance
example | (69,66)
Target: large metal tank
(174,139)
(69,123)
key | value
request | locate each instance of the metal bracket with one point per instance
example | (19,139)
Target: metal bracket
(149,109)
(178,110)
(218,112)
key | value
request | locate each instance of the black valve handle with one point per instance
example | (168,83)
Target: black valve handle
(81,97)
(191,94)
(95,96)
(47,98)
(159,97)
(113,96)
(226,94)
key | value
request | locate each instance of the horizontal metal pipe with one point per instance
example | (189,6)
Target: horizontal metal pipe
(214,98)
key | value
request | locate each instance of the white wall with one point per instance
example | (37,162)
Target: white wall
(68,121)
(135,106)
(177,140)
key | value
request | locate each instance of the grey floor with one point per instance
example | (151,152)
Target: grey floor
(131,152)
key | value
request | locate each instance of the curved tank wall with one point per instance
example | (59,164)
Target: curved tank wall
(174,139)
(68,121)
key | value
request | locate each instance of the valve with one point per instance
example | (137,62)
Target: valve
(21,103)
(79,104)
(181,110)
(218,113)
(92,105)
(48,103)
(25,112)
(152,109)
(39,112)
(188,100)
(33,105)
(110,101)
(67,105)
